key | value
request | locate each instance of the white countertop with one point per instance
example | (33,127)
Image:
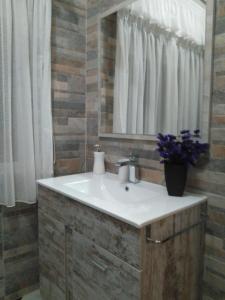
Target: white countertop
(136,204)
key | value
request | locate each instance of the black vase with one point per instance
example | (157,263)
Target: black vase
(176,177)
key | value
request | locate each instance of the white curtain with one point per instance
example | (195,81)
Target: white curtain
(159,69)
(186,18)
(25,98)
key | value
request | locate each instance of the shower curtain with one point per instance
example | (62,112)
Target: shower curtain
(158,84)
(26,147)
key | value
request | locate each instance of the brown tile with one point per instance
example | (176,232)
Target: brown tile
(218,119)
(218,151)
(68,166)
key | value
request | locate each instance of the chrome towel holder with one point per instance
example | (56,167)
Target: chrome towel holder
(159,242)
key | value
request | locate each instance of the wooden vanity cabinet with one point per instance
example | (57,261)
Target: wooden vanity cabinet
(88,255)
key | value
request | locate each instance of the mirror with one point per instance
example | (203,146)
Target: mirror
(155,68)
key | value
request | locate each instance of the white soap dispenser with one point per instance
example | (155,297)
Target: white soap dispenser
(99,161)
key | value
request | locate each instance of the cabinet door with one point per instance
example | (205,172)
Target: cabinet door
(52,258)
(173,270)
(95,274)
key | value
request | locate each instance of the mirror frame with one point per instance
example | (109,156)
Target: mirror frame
(208,73)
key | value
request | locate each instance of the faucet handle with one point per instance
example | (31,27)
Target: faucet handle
(122,162)
(133,158)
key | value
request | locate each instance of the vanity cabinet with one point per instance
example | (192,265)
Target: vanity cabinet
(88,255)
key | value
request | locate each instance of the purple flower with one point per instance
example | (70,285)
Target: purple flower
(185,149)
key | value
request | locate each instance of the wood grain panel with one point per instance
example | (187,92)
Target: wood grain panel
(97,274)
(173,270)
(122,240)
(52,257)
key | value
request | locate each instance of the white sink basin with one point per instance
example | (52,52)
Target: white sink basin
(107,188)
(137,204)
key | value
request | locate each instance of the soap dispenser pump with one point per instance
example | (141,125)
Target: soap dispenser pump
(99,161)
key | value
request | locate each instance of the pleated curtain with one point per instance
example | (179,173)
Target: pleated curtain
(159,67)
(25,98)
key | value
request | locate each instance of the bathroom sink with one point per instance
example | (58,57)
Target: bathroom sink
(137,204)
(108,188)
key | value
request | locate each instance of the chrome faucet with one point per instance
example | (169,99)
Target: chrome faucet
(133,169)
(122,162)
(128,169)
(123,172)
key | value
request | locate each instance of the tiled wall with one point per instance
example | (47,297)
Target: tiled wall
(2,286)
(107,70)
(212,178)
(68,84)
(19,272)
(209,178)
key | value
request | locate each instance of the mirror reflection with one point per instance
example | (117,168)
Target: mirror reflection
(152,67)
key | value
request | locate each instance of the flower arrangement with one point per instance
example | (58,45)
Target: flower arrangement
(184,149)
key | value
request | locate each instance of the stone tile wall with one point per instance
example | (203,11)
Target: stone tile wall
(2,292)
(208,178)
(107,70)
(212,178)
(68,84)
(19,268)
